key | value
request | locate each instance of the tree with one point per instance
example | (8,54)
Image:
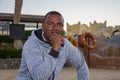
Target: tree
(16,19)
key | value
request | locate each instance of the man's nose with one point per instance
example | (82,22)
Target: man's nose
(55,26)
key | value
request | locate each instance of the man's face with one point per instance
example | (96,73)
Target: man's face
(53,25)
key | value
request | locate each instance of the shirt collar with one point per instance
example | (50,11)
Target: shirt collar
(43,36)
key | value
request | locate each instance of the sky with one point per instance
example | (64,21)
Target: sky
(74,11)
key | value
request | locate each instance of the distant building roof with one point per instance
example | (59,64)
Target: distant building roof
(23,17)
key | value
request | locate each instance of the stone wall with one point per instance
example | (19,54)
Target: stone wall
(97,61)
(12,63)
(106,54)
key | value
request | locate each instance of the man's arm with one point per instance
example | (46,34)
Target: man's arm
(76,58)
(40,65)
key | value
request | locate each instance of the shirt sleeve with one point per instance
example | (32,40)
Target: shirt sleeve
(40,64)
(76,58)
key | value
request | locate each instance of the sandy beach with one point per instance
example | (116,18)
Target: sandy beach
(70,74)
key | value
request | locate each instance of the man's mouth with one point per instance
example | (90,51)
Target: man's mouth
(54,33)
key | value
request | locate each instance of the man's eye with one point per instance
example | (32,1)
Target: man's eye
(49,23)
(60,24)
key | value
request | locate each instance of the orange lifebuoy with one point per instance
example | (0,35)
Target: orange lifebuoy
(79,41)
(88,40)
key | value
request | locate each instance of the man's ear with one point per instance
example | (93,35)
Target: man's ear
(42,27)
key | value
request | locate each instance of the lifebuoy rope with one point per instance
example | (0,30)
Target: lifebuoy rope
(91,44)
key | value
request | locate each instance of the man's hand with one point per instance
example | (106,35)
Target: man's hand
(56,41)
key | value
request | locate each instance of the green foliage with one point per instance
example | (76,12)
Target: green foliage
(27,34)
(5,39)
(10,52)
(63,33)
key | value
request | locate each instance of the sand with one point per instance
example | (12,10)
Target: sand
(70,74)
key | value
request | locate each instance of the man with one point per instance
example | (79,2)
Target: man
(46,51)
